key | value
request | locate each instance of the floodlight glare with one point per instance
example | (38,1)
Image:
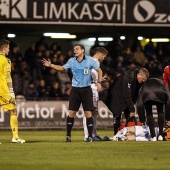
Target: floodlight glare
(122,37)
(160,40)
(60,35)
(140,38)
(64,36)
(50,34)
(105,39)
(147,40)
(11,35)
(91,39)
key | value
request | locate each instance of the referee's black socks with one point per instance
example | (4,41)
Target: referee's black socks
(89,123)
(70,122)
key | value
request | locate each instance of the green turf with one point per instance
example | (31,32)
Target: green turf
(46,150)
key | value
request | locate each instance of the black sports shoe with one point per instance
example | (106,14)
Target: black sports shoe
(89,139)
(106,138)
(68,139)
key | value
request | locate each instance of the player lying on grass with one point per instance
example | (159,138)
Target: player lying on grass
(134,133)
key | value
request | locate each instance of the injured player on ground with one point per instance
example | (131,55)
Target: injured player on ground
(134,133)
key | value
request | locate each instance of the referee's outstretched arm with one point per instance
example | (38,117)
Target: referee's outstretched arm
(48,63)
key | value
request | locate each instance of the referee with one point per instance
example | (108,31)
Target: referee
(81,92)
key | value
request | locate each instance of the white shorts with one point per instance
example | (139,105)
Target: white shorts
(95,95)
(139,131)
(140,134)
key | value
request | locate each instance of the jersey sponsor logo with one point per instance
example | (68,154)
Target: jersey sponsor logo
(86,71)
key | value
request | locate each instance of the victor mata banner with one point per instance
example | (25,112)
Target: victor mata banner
(53,114)
(86,12)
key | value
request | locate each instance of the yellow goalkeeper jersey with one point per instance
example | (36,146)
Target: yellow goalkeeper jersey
(5,66)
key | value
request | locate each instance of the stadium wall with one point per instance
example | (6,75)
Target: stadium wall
(52,115)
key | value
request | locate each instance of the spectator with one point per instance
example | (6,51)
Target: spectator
(139,57)
(43,90)
(54,48)
(30,91)
(17,83)
(39,68)
(154,69)
(149,50)
(67,90)
(60,59)
(30,57)
(51,76)
(56,92)
(69,55)
(63,77)
(41,45)
(47,54)
(127,56)
(15,55)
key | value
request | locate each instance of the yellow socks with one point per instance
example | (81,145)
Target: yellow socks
(14,125)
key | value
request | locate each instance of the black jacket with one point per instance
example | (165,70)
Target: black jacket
(154,89)
(122,93)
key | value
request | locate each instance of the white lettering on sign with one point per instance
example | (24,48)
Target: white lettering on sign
(2,119)
(35,112)
(72,11)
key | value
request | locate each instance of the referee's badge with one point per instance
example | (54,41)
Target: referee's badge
(86,71)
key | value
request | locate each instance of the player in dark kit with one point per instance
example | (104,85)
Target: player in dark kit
(154,92)
(123,93)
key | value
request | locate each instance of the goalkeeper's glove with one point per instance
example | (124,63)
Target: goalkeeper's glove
(12,96)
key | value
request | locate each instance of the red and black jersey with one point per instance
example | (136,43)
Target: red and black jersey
(166,75)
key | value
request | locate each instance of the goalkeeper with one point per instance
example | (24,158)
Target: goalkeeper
(7,96)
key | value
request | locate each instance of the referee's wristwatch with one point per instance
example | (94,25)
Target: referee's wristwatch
(99,81)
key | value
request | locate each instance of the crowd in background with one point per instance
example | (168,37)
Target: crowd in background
(33,81)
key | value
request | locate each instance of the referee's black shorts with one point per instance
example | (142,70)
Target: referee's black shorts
(81,95)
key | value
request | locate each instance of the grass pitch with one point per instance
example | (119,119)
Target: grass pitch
(46,150)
